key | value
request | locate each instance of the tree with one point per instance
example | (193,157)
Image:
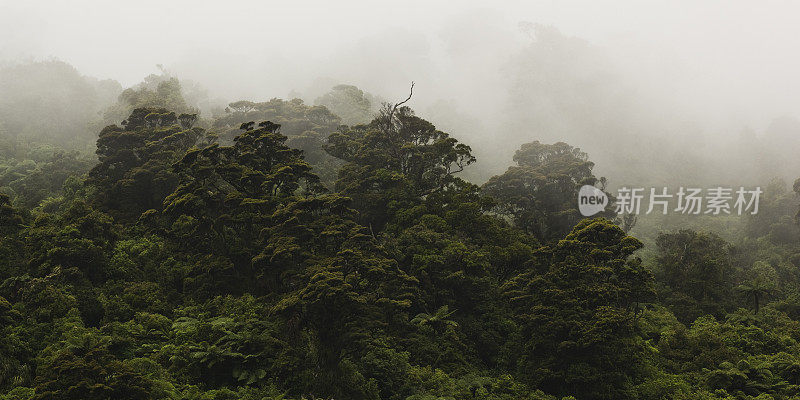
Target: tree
(540,193)
(350,103)
(695,274)
(759,284)
(577,308)
(162,91)
(306,128)
(13,354)
(12,222)
(438,320)
(34,180)
(134,172)
(338,288)
(83,368)
(72,248)
(242,106)
(223,192)
(10,219)
(396,160)
(51,102)
(225,202)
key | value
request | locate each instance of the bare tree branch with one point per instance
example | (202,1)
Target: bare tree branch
(402,102)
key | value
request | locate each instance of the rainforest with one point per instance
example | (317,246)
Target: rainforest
(395,217)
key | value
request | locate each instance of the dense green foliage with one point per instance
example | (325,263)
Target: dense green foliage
(274,252)
(306,128)
(539,192)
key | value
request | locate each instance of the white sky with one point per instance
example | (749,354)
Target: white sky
(747,53)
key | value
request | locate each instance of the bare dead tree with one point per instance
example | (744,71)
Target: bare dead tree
(388,122)
(394,108)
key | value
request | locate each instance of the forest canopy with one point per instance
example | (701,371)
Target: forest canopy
(157,243)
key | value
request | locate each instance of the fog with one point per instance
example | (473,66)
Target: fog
(654,91)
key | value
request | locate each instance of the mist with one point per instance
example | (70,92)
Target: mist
(409,200)
(685,87)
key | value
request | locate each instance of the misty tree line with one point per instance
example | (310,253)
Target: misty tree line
(278,249)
